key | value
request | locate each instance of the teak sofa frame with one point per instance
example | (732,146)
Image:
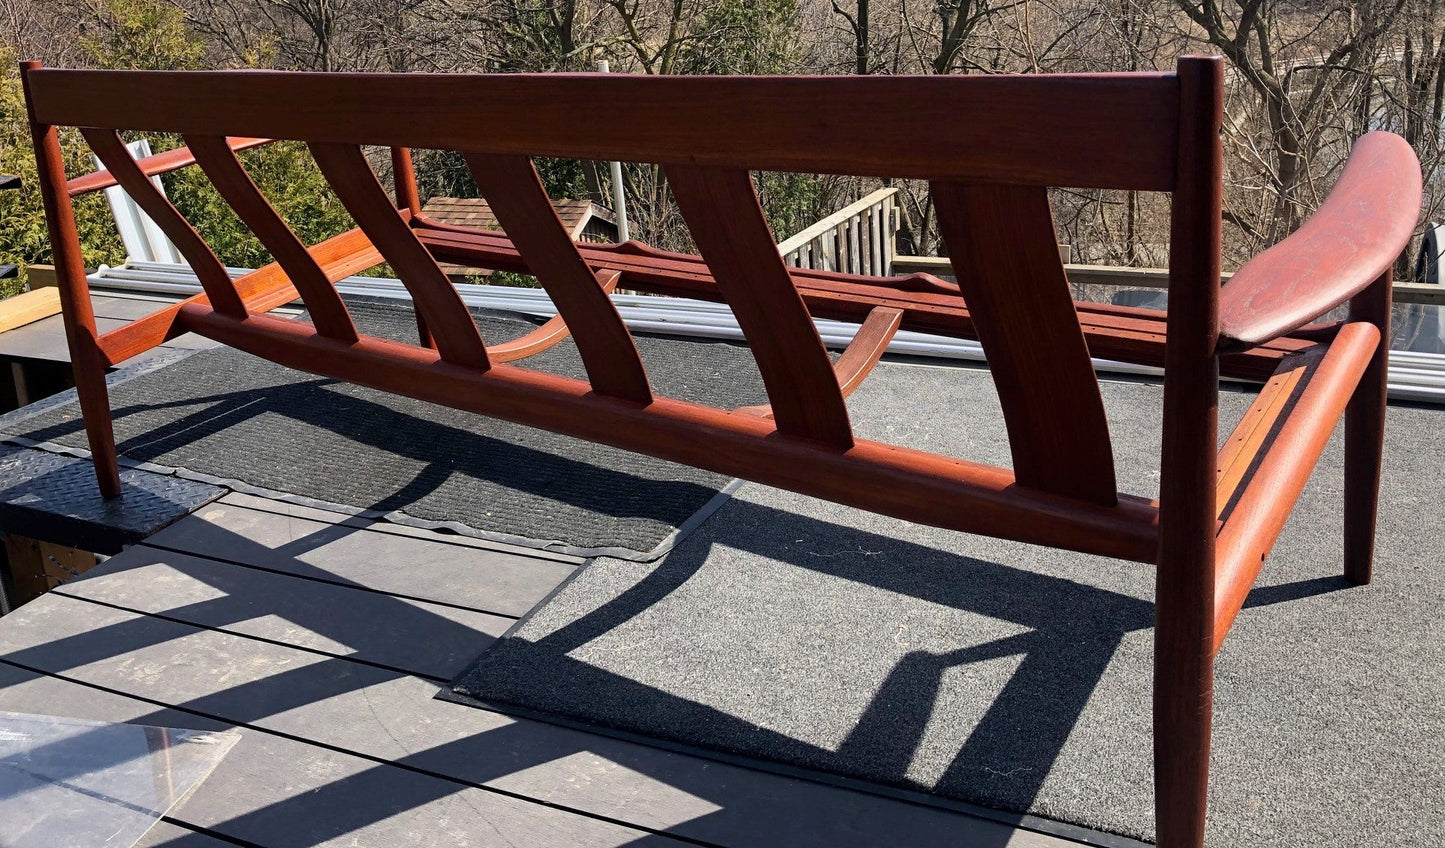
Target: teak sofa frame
(989,145)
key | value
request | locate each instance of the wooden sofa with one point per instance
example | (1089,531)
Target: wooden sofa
(989,145)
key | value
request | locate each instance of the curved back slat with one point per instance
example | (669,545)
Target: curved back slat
(226,173)
(722,211)
(516,196)
(437,302)
(1002,244)
(214,280)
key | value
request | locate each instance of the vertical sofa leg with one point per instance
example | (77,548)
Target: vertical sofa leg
(1365,436)
(1183,712)
(95,408)
(86,357)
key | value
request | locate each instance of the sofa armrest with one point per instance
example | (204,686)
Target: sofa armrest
(1362,226)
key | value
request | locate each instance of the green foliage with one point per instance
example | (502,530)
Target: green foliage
(23,236)
(744,37)
(287,177)
(140,34)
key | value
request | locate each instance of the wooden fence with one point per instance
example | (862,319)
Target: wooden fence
(857,239)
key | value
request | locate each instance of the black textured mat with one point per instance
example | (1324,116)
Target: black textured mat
(225,416)
(55,499)
(1013,677)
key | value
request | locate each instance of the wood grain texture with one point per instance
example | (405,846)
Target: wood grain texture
(208,269)
(1365,222)
(261,290)
(722,211)
(1002,243)
(516,196)
(160,163)
(86,356)
(1184,597)
(1365,435)
(447,318)
(867,347)
(858,359)
(1258,426)
(929,305)
(935,127)
(1264,505)
(28,307)
(328,313)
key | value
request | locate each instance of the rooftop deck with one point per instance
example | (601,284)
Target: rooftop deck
(326,638)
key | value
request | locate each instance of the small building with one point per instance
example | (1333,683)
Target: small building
(584,221)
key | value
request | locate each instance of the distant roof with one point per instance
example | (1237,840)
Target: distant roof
(474,212)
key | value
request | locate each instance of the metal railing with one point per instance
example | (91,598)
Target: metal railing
(857,239)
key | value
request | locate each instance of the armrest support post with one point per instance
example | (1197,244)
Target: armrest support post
(1365,434)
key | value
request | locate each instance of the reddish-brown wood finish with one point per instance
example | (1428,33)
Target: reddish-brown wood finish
(261,290)
(857,361)
(1264,505)
(866,348)
(327,311)
(722,211)
(1365,435)
(1002,243)
(977,140)
(1125,139)
(1184,594)
(1259,425)
(545,337)
(160,163)
(1339,251)
(213,276)
(447,318)
(516,196)
(79,318)
(929,305)
(404,179)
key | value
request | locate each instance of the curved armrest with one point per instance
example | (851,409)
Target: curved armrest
(160,163)
(1362,226)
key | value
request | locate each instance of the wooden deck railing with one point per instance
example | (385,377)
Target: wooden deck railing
(1146,278)
(857,239)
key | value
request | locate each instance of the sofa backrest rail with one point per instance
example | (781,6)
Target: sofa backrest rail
(708,133)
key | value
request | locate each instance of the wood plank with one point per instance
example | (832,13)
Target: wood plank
(390,717)
(1113,332)
(413,636)
(471,578)
(1122,129)
(160,163)
(40,276)
(722,211)
(437,302)
(218,160)
(1244,444)
(270,790)
(1002,238)
(28,307)
(1364,223)
(208,269)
